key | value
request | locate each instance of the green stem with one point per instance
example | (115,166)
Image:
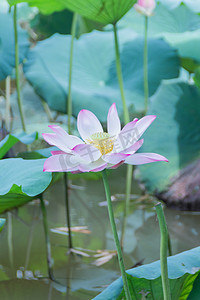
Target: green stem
(146,83)
(119,75)
(114,230)
(7,111)
(126,120)
(19,100)
(46,232)
(10,241)
(68,211)
(169,245)
(129,176)
(163,251)
(69,98)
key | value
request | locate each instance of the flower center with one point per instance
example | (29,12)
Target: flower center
(102,141)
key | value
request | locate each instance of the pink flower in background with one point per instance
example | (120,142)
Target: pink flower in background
(145,7)
(97,149)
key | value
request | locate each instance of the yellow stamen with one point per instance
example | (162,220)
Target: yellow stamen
(102,141)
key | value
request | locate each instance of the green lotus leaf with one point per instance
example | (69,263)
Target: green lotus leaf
(11,139)
(183,269)
(94,83)
(179,27)
(7,45)
(21,181)
(103,11)
(175,133)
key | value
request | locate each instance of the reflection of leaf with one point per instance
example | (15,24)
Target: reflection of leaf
(94,67)
(7,50)
(10,140)
(183,269)
(174,134)
(21,181)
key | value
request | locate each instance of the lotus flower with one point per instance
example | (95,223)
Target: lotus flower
(97,149)
(145,7)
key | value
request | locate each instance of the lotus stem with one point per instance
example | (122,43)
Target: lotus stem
(7,112)
(120,77)
(69,98)
(163,252)
(114,230)
(46,232)
(70,244)
(10,241)
(19,99)
(146,83)
(129,173)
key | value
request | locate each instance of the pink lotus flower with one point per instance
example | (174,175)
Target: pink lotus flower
(97,149)
(145,7)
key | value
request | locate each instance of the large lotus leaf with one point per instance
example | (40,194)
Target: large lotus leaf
(2,223)
(94,82)
(21,181)
(175,133)
(192,4)
(104,11)
(7,45)
(11,139)
(183,269)
(179,27)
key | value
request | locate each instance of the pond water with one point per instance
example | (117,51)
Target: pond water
(23,267)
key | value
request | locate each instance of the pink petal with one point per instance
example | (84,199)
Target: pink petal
(132,132)
(70,140)
(132,149)
(127,137)
(115,158)
(57,152)
(54,140)
(87,152)
(144,158)
(96,166)
(88,124)
(113,121)
(60,163)
(117,165)
(129,125)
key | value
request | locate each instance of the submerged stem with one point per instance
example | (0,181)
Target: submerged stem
(69,98)
(146,83)
(129,175)
(68,211)
(46,232)
(19,99)
(114,230)
(163,252)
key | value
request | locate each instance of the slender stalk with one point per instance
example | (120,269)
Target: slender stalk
(69,98)
(46,232)
(10,241)
(7,112)
(68,211)
(119,75)
(129,176)
(114,230)
(47,110)
(69,114)
(126,120)
(146,83)
(19,99)
(163,252)
(169,245)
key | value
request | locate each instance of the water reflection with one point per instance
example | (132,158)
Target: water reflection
(77,277)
